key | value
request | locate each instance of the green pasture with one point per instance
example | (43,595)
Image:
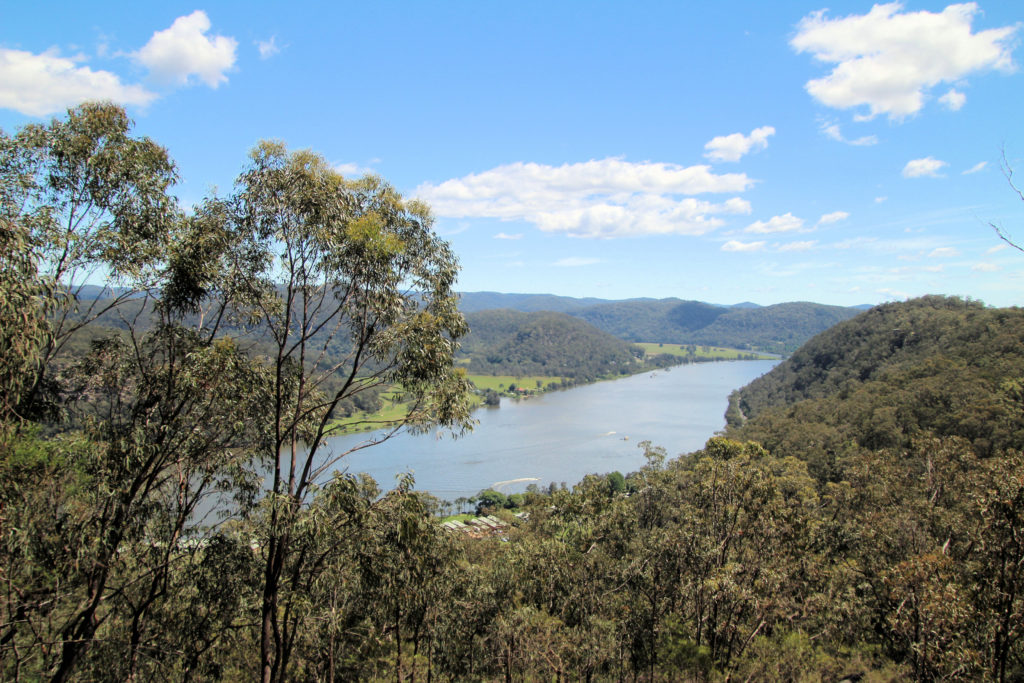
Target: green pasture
(701,351)
(502,382)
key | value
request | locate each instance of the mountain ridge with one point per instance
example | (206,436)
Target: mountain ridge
(778,328)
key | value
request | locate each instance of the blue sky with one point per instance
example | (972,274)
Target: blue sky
(737,151)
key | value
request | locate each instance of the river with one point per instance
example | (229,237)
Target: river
(563,435)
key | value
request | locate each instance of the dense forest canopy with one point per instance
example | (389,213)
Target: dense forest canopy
(860,519)
(929,367)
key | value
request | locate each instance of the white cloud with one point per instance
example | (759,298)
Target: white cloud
(998,247)
(887,59)
(597,198)
(798,246)
(351,169)
(736,245)
(832,131)
(833,217)
(177,53)
(919,168)
(268,48)
(895,293)
(985,267)
(943,252)
(37,85)
(977,167)
(953,99)
(733,147)
(575,261)
(879,200)
(503,236)
(784,223)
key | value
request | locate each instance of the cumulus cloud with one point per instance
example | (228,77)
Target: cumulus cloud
(267,48)
(919,168)
(733,147)
(41,84)
(176,54)
(736,245)
(575,261)
(985,267)
(833,217)
(798,246)
(977,167)
(998,247)
(887,60)
(598,198)
(953,99)
(943,252)
(784,223)
(832,131)
(503,236)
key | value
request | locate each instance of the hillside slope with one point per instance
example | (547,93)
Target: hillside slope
(781,328)
(899,373)
(553,344)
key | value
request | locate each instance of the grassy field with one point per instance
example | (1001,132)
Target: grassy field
(702,351)
(502,382)
(389,412)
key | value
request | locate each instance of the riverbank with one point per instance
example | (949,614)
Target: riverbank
(490,389)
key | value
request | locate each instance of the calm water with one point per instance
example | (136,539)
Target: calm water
(563,435)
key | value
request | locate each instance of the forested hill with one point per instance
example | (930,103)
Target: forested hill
(781,328)
(667,321)
(930,367)
(554,344)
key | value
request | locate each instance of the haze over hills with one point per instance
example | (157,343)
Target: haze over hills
(779,328)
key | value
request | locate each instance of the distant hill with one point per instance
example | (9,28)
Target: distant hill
(661,320)
(545,343)
(781,328)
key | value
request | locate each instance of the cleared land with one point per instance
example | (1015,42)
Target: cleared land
(501,383)
(714,352)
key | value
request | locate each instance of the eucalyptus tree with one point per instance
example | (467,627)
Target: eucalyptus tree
(80,198)
(94,203)
(355,293)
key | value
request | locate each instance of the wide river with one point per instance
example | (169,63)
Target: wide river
(561,436)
